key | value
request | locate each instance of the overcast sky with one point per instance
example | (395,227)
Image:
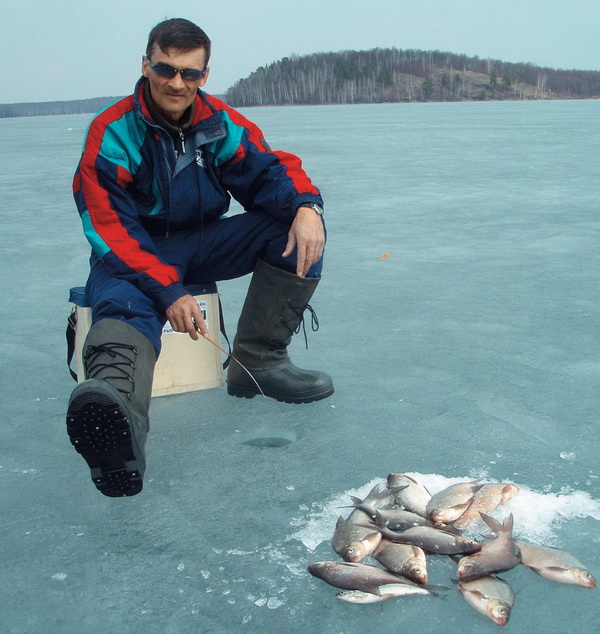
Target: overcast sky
(75,49)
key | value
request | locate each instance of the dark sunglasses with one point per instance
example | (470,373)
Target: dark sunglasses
(164,70)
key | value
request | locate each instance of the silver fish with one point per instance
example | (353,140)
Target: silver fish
(394,518)
(490,596)
(387,591)
(403,559)
(353,538)
(450,503)
(430,539)
(485,500)
(555,565)
(378,498)
(354,576)
(413,497)
(496,555)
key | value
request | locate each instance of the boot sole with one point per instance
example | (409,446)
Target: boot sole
(101,433)
(251,392)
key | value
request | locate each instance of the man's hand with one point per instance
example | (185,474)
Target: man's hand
(185,316)
(308,235)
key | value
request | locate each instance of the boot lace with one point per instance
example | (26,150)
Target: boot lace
(121,366)
(299,313)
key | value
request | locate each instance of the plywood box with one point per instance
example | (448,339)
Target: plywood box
(184,365)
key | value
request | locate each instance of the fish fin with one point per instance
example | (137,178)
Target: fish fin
(370,535)
(366,508)
(508,492)
(379,520)
(375,528)
(538,571)
(356,501)
(495,524)
(340,522)
(392,490)
(435,590)
(373,590)
(373,493)
(448,528)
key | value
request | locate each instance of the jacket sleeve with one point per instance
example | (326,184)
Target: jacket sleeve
(259,178)
(110,158)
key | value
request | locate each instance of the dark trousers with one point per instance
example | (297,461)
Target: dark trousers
(225,249)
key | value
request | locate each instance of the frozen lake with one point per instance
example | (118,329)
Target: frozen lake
(459,314)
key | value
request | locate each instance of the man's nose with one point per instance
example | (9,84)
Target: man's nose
(177,82)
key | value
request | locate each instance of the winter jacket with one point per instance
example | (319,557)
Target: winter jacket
(132,184)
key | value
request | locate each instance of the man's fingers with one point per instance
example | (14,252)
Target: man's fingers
(199,326)
(290,246)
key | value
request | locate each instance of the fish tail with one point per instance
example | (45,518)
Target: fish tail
(496,526)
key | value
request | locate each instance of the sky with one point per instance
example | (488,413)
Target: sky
(66,49)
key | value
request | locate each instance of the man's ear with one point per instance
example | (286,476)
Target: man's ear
(205,78)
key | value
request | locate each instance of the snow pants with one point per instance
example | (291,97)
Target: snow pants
(224,249)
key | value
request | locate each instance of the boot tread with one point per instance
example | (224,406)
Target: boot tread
(100,432)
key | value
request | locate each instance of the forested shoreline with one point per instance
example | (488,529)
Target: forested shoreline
(394,75)
(375,76)
(35,109)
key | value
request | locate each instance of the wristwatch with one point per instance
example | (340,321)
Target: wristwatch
(317,208)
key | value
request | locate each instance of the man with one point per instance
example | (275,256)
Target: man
(155,178)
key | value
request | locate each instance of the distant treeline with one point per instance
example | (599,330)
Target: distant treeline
(54,107)
(394,75)
(375,76)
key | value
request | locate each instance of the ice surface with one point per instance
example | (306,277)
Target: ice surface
(470,351)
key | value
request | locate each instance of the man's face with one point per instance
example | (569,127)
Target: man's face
(172,96)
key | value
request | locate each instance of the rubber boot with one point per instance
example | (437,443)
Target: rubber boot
(107,417)
(271,314)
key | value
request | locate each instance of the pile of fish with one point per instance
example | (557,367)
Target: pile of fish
(403,524)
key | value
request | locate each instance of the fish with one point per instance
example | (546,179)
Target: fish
(378,498)
(354,576)
(450,503)
(394,518)
(353,538)
(496,555)
(485,500)
(491,596)
(386,591)
(433,540)
(555,565)
(403,559)
(413,497)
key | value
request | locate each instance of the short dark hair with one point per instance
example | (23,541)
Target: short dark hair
(180,34)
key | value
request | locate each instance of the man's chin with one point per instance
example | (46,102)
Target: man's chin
(172,113)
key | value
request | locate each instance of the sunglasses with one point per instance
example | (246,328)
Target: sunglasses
(187,74)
